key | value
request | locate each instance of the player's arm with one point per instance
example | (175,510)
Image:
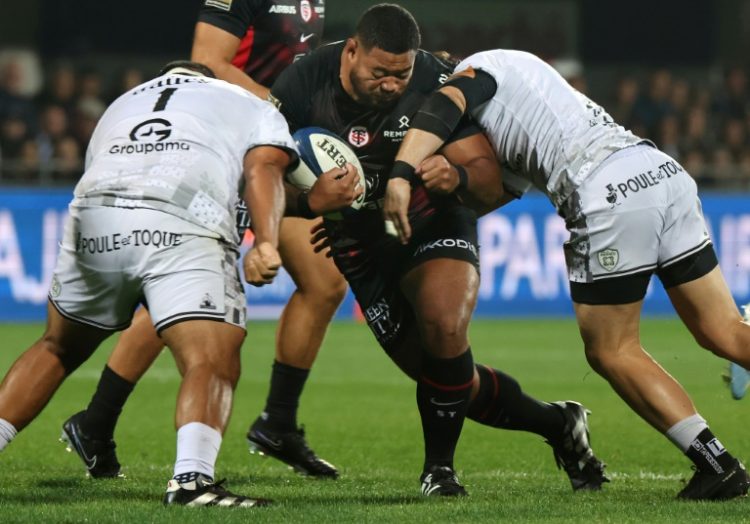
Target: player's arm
(440,115)
(264,168)
(335,189)
(433,124)
(216,48)
(472,170)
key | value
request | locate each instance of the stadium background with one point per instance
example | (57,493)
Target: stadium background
(675,75)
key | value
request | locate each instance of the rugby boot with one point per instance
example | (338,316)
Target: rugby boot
(734,482)
(572,449)
(204,492)
(441,481)
(291,448)
(97,455)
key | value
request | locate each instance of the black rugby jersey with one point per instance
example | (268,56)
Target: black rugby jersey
(309,93)
(273,33)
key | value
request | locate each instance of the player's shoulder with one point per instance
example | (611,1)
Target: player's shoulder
(325,57)
(429,71)
(312,70)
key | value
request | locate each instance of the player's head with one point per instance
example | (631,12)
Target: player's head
(378,60)
(186,67)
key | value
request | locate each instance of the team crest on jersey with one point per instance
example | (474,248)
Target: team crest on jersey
(305,10)
(359,136)
(608,258)
(225,5)
(55,287)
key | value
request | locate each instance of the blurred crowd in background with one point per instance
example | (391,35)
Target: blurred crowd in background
(46,123)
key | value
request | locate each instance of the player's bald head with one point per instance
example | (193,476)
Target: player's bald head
(389,27)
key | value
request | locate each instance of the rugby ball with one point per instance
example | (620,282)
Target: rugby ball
(321,150)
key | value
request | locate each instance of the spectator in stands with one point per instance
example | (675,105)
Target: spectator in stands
(67,160)
(128,79)
(732,100)
(651,107)
(669,136)
(626,93)
(13,103)
(53,125)
(60,89)
(734,136)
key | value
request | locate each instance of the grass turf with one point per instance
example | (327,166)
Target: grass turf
(361,415)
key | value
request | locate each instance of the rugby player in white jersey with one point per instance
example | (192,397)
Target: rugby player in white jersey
(153,221)
(631,210)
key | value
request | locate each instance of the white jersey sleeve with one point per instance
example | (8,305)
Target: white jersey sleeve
(544,132)
(177,144)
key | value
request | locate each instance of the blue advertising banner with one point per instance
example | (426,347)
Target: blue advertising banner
(522,262)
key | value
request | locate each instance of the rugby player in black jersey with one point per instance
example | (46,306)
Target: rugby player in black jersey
(418,298)
(247,42)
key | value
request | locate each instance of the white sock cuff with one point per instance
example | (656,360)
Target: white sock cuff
(7,433)
(685,431)
(197,448)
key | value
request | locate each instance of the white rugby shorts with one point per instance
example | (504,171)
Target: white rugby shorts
(111,259)
(638,211)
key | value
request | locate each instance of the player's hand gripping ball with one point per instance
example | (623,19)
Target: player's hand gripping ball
(320,151)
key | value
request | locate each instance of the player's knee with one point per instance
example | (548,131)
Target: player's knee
(70,358)
(326,294)
(597,358)
(444,334)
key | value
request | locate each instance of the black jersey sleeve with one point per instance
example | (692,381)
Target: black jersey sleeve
(233,16)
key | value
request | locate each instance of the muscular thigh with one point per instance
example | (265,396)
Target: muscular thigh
(384,275)
(310,271)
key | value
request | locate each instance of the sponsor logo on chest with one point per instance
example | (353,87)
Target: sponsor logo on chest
(398,135)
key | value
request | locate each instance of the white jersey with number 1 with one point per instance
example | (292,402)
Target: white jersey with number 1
(176,144)
(545,133)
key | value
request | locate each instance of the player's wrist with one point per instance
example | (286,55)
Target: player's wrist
(303,205)
(463,177)
(403,170)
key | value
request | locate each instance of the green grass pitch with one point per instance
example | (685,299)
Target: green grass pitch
(360,414)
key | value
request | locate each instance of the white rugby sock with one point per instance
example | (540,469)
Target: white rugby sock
(685,431)
(7,433)
(197,448)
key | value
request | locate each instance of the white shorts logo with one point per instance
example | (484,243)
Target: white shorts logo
(608,258)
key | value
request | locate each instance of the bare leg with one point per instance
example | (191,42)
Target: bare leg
(208,356)
(136,349)
(613,348)
(320,290)
(708,310)
(300,333)
(36,375)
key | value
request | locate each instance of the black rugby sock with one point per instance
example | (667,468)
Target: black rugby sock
(287,383)
(106,405)
(500,403)
(443,392)
(708,454)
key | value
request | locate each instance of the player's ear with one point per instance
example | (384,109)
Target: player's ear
(351,47)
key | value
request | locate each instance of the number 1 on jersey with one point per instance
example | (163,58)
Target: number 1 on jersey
(164,97)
